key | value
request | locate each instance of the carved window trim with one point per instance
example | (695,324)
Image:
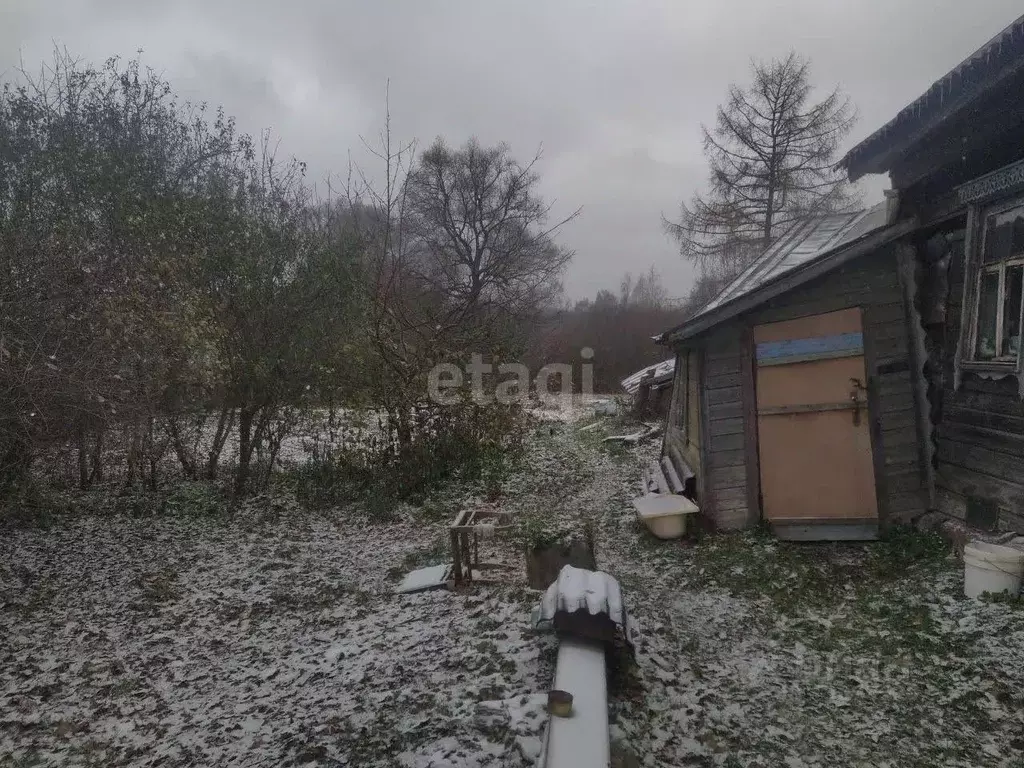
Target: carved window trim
(965,361)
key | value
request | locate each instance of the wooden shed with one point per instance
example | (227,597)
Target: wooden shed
(794,400)
(867,368)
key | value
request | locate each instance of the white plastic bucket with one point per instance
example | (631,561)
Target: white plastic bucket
(992,568)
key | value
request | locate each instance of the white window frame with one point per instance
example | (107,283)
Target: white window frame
(980,269)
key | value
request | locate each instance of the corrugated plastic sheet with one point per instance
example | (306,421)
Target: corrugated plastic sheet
(578,589)
(803,243)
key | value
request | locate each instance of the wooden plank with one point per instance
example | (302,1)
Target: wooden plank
(896,402)
(985,437)
(725,427)
(705,487)
(724,396)
(727,442)
(960,414)
(719,411)
(750,433)
(736,458)
(814,348)
(785,410)
(969,482)
(894,382)
(894,438)
(881,313)
(893,420)
(904,482)
(728,477)
(831,530)
(875,429)
(807,333)
(906,463)
(728,495)
(723,366)
(723,380)
(904,506)
(994,463)
(951,503)
(1010,520)
(901,455)
(722,353)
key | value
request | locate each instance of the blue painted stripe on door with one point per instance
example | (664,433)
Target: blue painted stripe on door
(841,342)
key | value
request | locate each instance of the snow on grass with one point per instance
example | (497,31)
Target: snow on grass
(171,642)
(276,639)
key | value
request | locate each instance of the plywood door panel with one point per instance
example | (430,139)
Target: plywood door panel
(821,381)
(812,466)
(812,326)
(814,438)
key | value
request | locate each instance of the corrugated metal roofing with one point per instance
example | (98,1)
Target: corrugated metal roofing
(1002,54)
(804,242)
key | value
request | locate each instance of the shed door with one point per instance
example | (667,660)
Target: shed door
(813,426)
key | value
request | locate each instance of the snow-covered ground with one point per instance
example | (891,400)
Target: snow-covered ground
(275,638)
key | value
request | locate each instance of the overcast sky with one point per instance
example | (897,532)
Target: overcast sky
(614,91)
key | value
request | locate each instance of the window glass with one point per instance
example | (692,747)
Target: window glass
(988,306)
(1004,235)
(1013,283)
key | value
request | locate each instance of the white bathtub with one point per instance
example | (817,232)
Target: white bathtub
(664,514)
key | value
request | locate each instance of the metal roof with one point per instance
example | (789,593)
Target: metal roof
(804,242)
(1000,56)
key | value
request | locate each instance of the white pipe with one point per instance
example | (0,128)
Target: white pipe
(580,741)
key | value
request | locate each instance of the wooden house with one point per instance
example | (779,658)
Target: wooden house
(867,368)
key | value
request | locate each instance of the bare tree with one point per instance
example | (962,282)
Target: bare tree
(483,243)
(772,156)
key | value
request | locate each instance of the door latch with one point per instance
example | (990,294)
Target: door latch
(856,387)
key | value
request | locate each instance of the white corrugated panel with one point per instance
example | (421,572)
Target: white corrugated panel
(804,242)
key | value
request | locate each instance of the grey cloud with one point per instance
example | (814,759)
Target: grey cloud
(614,91)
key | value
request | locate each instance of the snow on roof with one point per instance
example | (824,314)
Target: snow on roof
(578,589)
(662,371)
(806,241)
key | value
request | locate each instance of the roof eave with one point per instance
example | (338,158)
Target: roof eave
(882,149)
(787,281)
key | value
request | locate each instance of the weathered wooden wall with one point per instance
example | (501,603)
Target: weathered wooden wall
(871,283)
(725,461)
(681,446)
(980,434)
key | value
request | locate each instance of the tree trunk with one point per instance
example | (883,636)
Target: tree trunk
(245,446)
(132,459)
(185,457)
(83,457)
(151,452)
(225,422)
(96,475)
(769,214)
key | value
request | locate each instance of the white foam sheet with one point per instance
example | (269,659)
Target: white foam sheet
(580,741)
(431,577)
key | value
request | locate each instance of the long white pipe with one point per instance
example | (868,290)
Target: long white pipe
(580,741)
